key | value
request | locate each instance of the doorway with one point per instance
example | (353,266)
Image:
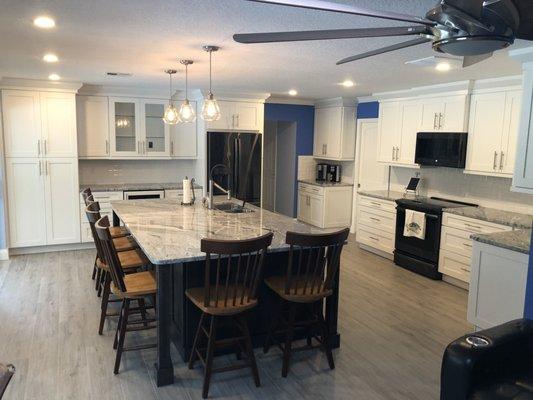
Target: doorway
(279,167)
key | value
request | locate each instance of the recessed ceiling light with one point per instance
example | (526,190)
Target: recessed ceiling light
(443,66)
(50,58)
(54,77)
(293,92)
(44,22)
(348,83)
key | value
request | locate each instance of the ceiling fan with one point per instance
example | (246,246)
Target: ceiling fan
(473,29)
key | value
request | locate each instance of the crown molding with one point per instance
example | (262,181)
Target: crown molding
(290,100)
(238,96)
(460,87)
(39,84)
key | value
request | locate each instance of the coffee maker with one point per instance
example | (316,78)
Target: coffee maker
(321,172)
(334,173)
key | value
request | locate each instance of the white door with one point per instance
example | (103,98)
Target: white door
(510,131)
(227,116)
(410,121)
(93,126)
(22,123)
(316,210)
(124,127)
(431,110)
(388,131)
(249,116)
(334,132)
(485,132)
(155,134)
(453,117)
(62,201)
(303,206)
(26,205)
(184,139)
(58,116)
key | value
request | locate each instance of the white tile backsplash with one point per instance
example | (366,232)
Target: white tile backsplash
(136,171)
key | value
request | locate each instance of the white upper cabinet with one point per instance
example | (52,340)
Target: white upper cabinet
(155,134)
(334,135)
(183,139)
(93,126)
(409,126)
(239,116)
(444,114)
(493,130)
(389,112)
(124,127)
(22,123)
(58,118)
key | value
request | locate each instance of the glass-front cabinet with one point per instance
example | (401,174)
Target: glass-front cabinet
(137,129)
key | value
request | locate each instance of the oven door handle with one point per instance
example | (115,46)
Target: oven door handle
(431,216)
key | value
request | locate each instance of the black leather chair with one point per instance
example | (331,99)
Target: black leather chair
(494,364)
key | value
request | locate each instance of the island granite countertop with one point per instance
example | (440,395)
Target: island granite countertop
(502,217)
(324,184)
(519,240)
(170,233)
(119,187)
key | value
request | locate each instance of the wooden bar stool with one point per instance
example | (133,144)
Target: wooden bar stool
(137,286)
(314,261)
(130,261)
(233,271)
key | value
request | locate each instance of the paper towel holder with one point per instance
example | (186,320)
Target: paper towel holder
(193,199)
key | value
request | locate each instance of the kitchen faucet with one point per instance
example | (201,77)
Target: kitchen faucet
(213,184)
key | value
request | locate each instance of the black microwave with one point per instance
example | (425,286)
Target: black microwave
(441,149)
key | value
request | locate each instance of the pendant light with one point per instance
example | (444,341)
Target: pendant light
(210,109)
(171,113)
(186,113)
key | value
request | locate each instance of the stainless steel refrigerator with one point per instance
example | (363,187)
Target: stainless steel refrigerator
(240,153)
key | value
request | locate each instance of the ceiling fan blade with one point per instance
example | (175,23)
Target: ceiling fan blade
(474,8)
(525,9)
(471,60)
(382,50)
(298,36)
(347,9)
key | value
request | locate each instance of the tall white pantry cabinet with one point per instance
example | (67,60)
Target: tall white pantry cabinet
(40,143)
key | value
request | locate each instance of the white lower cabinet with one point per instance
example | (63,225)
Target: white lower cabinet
(42,201)
(498,285)
(376,224)
(455,253)
(325,207)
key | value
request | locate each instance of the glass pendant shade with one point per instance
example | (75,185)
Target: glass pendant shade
(210,109)
(187,113)
(171,116)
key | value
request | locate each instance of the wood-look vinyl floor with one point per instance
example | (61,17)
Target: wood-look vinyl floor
(394,327)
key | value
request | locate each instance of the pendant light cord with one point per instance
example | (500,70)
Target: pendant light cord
(210,67)
(186,81)
(170,90)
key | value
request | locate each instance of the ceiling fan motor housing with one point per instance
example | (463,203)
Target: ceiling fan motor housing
(461,33)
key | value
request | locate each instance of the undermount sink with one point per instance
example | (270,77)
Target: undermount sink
(232,208)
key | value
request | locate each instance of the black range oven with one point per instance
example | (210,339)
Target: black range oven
(421,255)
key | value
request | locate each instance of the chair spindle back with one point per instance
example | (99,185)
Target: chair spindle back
(110,253)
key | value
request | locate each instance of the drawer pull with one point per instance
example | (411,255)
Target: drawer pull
(472,226)
(465,269)
(376,204)
(375,219)
(374,238)
(467,245)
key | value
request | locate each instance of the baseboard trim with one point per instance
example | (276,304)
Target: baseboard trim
(48,249)
(4,254)
(455,282)
(380,253)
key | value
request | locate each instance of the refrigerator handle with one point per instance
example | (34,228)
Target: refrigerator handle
(236,161)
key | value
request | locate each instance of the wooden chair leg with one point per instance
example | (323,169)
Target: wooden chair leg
(105,301)
(97,280)
(249,349)
(194,356)
(120,317)
(288,341)
(209,356)
(122,335)
(326,343)
(273,325)
(95,268)
(142,307)
(101,282)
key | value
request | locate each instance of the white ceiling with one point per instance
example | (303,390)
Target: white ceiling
(145,37)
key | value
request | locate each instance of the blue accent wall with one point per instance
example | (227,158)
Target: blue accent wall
(368,110)
(528,311)
(304,116)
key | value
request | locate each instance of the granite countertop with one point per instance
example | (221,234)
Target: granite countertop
(170,233)
(519,240)
(383,194)
(324,184)
(118,187)
(509,218)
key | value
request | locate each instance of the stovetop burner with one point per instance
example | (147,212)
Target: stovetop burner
(433,203)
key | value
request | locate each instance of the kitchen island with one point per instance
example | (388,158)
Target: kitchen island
(170,234)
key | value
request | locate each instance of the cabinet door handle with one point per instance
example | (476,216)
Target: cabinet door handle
(40,168)
(397,153)
(45,147)
(501,160)
(435,121)
(47,167)
(495,162)
(441,117)
(39,147)
(171,148)
(237,120)
(326,149)
(144,147)
(393,148)
(107,146)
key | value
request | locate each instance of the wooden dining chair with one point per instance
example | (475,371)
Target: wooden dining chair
(137,286)
(6,373)
(130,261)
(313,265)
(233,271)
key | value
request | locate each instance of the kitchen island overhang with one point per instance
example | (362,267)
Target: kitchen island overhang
(170,234)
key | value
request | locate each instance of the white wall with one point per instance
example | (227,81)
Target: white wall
(137,171)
